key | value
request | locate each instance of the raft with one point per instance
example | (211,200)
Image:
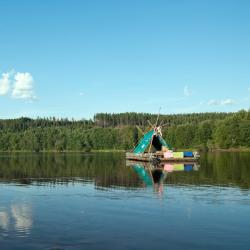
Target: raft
(148,157)
(153,148)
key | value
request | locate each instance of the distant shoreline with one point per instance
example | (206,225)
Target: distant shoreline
(123,151)
(230,150)
(66,151)
(242,149)
(109,132)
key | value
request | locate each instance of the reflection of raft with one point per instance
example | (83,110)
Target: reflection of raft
(166,166)
(152,174)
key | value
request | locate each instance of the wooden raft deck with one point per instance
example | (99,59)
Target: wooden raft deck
(146,157)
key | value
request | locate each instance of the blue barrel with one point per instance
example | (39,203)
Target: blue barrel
(188,154)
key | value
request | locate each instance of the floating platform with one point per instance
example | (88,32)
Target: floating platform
(153,148)
(148,157)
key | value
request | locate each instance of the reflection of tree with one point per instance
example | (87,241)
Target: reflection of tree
(108,169)
(105,169)
(217,169)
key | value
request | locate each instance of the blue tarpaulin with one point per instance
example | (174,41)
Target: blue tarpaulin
(158,142)
(143,144)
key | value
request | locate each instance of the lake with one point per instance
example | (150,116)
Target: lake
(97,201)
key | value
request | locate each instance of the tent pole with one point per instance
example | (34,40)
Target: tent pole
(158,117)
(150,123)
(140,129)
(150,144)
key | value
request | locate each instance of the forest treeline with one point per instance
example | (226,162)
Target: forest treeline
(120,131)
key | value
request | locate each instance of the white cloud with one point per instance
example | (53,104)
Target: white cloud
(187,91)
(227,102)
(213,102)
(221,102)
(23,86)
(4,84)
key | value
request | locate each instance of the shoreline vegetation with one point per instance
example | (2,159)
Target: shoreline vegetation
(214,150)
(217,132)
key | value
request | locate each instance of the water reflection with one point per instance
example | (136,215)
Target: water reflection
(16,217)
(156,174)
(92,201)
(4,220)
(109,170)
(22,214)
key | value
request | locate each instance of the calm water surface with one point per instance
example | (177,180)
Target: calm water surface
(95,201)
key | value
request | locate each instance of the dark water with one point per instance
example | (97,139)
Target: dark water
(95,201)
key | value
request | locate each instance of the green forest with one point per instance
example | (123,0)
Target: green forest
(202,131)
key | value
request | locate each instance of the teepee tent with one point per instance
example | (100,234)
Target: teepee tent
(153,138)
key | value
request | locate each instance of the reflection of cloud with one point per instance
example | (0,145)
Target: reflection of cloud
(4,220)
(23,217)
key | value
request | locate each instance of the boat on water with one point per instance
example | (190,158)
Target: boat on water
(153,148)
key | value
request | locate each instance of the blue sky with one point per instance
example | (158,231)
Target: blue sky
(76,58)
